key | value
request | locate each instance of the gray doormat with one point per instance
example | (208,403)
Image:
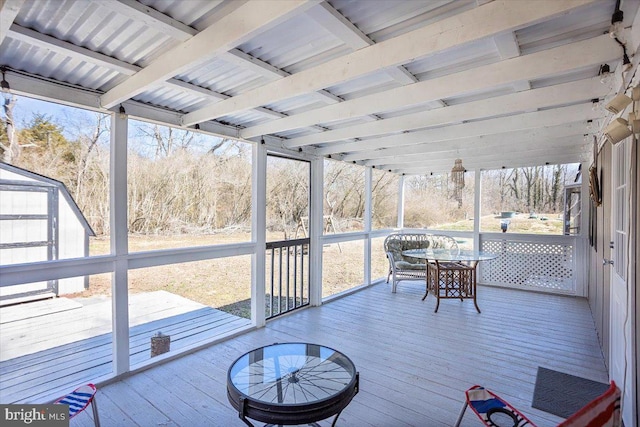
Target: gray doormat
(563,394)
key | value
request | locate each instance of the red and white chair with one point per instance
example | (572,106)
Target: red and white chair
(493,411)
(79,399)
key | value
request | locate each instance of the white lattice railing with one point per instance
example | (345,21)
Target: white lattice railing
(530,262)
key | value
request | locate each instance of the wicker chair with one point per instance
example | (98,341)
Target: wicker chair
(442,241)
(409,268)
(401,267)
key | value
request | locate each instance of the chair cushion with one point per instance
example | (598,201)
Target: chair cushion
(398,244)
(404,265)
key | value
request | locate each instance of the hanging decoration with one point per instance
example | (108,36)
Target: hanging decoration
(457,177)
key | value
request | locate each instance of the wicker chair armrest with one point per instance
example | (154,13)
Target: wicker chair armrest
(392,261)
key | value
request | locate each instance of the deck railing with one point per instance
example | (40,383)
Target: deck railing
(546,263)
(287,276)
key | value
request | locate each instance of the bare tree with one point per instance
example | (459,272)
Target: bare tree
(10,148)
(88,142)
(164,140)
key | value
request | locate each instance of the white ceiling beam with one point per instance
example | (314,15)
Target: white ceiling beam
(537,65)
(546,97)
(360,150)
(151,18)
(401,75)
(197,90)
(328,17)
(51,91)
(46,42)
(182,32)
(508,47)
(493,143)
(493,164)
(500,149)
(475,24)
(466,146)
(218,9)
(240,25)
(338,25)
(8,11)
(71,50)
(268,71)
(215,96)
(537,155)
(246,61)
(47,90)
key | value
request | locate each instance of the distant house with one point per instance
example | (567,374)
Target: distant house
(39,221)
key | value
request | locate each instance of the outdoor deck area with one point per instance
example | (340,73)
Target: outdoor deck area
(57,343)
(414,364)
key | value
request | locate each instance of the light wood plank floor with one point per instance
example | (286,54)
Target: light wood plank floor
(56,344)
(414,364)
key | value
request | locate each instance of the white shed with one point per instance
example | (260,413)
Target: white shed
(39,221)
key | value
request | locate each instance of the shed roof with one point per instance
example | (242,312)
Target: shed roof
(49,182)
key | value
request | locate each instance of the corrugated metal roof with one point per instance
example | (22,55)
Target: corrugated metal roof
(99,45)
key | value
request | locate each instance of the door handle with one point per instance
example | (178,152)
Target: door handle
(607,262)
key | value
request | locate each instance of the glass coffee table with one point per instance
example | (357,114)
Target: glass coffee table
(291,383)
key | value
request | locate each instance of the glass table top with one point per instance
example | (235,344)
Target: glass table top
(449,254)
(292,373)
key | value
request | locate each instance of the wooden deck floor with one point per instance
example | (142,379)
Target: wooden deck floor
(414,364)
(53,345)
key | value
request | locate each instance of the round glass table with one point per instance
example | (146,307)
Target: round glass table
(291,383)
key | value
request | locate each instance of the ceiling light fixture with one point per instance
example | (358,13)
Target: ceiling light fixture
(616,31)
(604,73)
(123,113)
(617,130)
(616,28)
(618,103)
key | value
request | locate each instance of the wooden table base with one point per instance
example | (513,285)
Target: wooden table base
(451,280)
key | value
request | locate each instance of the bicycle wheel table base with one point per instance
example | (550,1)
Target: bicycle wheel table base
(291,384)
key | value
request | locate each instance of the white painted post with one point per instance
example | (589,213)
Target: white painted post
(119,243)
(581,246)
(401,201)
(316,226)
(368,212)
(477,208)
(258,233)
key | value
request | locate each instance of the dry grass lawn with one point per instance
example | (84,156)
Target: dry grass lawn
(225,284)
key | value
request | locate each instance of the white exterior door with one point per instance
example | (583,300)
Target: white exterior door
(621,358)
